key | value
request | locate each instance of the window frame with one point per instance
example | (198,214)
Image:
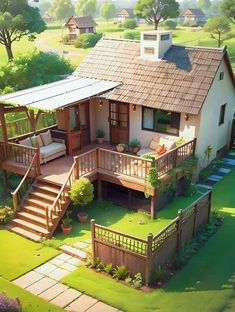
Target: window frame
(221,76)
(222,114)
(154,121)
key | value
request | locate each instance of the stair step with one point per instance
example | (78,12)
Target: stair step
(36,203)
(42,196)
(29,226)
(24,233)
(46,188)
(32,218)
(33,210)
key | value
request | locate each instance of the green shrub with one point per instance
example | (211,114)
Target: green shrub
(94,263)
(6,214)
(121,272)
(130,24)
(137,281)
(88,40)
(131,34)
(108,268)
(170,24)
(81,192)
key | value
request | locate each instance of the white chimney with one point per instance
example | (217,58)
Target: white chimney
(154,44)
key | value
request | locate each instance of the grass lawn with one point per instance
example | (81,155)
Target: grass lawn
(19,255)
(30,303)
(206,284)
(121,219)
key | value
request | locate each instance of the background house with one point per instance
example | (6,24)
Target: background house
(125,13)
(80,25)
(193,17)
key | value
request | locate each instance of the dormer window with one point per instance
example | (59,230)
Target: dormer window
(165,37)
(150,37)
(149,50)
(221,76)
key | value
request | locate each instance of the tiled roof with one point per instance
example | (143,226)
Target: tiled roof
(192,12)
(126,11)
(179,82)
(83,21)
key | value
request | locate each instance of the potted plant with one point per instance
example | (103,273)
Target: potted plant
(81,194)
(121,148)
(67,223)
(100,136)
(135,146)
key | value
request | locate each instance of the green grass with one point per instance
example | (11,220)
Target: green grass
(30,303)
(205,284)
(19,255)
(121,219)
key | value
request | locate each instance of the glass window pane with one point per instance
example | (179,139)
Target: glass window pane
(148,118)
(167,122)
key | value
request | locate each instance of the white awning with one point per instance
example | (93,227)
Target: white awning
(59,94)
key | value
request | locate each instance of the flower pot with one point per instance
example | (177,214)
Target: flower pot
(100,140)
(66,230)
(120,149)
(82,216)
(135,150)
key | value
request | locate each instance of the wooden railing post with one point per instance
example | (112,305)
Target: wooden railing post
(38,162)
(47,219)
(148,264)
(97,157)
(76,168)
(195,219)
(15,202)
(93,236)
(180,221)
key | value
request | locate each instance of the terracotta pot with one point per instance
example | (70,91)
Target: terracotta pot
(82,216)
(135,150)
(66,230)
(100,140)
(120,149)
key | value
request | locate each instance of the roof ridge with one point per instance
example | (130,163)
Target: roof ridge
(120,39)
(200,47)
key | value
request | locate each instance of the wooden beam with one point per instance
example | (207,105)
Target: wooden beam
(153,206)
(3,124)
(15,109)
(5,180)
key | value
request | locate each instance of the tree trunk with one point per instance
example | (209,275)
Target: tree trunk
(9,51)
(219,40)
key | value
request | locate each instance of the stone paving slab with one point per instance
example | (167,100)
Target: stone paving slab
(66,297)
(74,251)
(53,291)
(74,261)
(102,307)
(80,245)
(208,187)
(64,257)
(82,304)
(57,262)
(46,268)
(58,274)
(230,161)
(28,279)
(69,267)
(224,170)
(41,285)
(213,179)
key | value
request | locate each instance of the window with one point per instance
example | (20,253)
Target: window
(149,50)
(165,37)
(150,37)
(221,76)
(160,121)
(222,114)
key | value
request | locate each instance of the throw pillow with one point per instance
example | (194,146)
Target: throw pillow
(36,141)
(153,145)
(26,142)
(46,138)
(161,149)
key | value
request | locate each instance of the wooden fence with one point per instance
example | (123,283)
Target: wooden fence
(145,255)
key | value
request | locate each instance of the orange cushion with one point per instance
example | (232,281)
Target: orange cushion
(161,149)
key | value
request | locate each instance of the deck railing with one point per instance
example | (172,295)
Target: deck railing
(22,126)
(174,157)
(19,154)
(86,163)
(25,183)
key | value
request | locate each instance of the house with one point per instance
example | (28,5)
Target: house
(193,17)
(78,25)
(124,14)
(149,89)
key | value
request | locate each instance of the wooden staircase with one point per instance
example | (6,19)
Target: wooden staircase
(32,220)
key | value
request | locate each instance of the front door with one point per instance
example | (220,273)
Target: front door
(85,123)
(119,122)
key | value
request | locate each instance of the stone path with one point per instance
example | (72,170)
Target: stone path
(43,282)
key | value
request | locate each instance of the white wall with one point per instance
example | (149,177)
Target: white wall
(210,133)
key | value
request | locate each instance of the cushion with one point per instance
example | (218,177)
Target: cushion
(26,142)
(153,144)
(161,149)
(46,138)
(36,141)
(167,142)
(51,149)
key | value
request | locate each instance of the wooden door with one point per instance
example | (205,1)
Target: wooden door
(84,123)
(119,122)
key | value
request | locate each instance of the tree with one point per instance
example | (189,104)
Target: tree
(204,4)
(86,7)
(156,11)
(81,192)
(44,7)
(18,19)
(107,10)
(228,8)
(61,9)
(217,26)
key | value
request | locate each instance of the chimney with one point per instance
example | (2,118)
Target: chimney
(154,44)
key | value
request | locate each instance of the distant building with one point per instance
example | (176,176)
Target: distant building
(80,25)
(125,14)
(46,17)
(193,17)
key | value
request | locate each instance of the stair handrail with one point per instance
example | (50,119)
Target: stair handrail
(60,195)
(15,194)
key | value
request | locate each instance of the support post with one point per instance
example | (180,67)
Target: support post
(152,206)
(180,221)
(148,264)
(99,186)
(93,236)
(129,198)
(5,179)
(209,207)
(76,168)
(38,162)
(195,218)
(3,123)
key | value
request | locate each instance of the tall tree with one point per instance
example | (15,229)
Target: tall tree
(86,7)
(107,10)
(61,9)
(228,8)
(156,11)
(18,19)
(217,26)
(204,4)
(44,7)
